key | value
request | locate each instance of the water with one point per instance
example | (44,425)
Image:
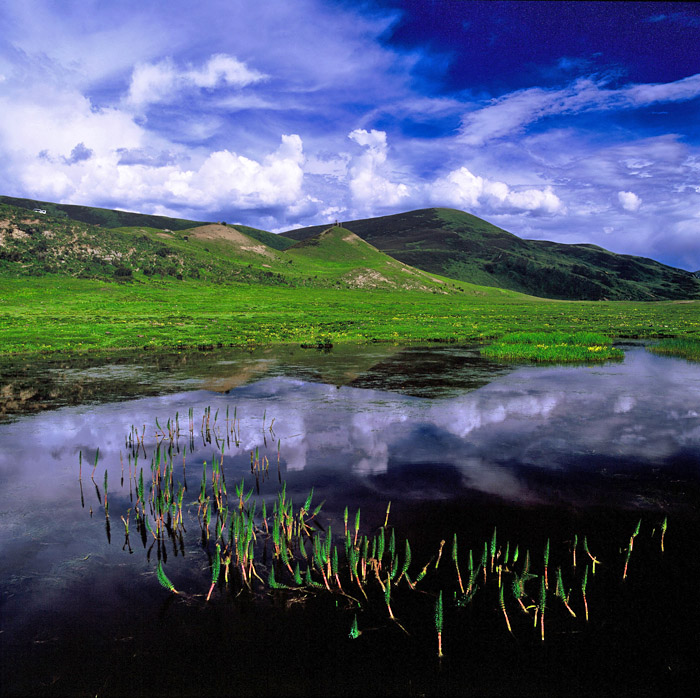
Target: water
(454,442)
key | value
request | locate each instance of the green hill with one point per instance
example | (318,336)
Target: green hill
(35,244)
(338,254)
(461,246)
(109,218)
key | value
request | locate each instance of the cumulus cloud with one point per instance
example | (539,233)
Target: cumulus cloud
(463,189)
(163,81)
(629,201)
(69,151)
(368,186)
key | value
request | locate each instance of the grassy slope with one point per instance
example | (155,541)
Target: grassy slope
(33,244)
(461,246)
(104,217)
(108,218)
(337,253)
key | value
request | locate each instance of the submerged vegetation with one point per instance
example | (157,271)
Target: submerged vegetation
(260,545)
(560,347)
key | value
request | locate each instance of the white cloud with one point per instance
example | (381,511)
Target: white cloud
(629,201)
(369,187)
(163,81)
(463,189)
(67,150)
(511,113)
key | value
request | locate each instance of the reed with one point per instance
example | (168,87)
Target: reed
(302,557)
(502,604)
(439,622)
(163,579)
(456,561)
(663,532)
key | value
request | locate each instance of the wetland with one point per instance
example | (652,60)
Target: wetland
(498,475)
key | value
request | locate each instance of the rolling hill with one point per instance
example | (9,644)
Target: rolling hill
(40,243)
(461,246)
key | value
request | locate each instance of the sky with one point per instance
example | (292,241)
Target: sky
(567,121)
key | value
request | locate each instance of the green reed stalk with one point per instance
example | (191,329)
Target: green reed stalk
(387,597)
(562,594)
(663,532)
(215,569)
(546,563)
(439,622)
(629,549)
(406,563)
(97,455)
(163,579)
(502,604)
(493,548)
(455,560)
(584,583)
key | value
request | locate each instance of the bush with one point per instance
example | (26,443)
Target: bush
(122,272)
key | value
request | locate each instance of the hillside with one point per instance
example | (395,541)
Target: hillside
(340,254)
(35,244)
(461,246)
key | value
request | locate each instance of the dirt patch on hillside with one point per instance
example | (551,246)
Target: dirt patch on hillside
(367,278)
(216,231)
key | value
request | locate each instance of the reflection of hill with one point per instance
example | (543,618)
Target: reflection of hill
(437,371)
(48,383)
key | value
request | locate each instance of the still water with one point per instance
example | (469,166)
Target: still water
(416,426)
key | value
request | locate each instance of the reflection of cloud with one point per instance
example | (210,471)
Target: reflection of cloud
(624,404)
(639,413)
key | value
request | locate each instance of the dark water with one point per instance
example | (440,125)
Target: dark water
(455,443)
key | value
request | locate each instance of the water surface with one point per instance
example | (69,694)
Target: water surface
(446,437)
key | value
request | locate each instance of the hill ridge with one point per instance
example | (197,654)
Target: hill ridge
(459,245)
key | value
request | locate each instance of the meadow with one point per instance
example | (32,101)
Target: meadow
(60,314)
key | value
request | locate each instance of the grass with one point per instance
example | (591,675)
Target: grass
(685,348)
(59,314)
(559,347)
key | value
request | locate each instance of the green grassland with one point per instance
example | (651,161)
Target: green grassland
(559,347)
(63,314)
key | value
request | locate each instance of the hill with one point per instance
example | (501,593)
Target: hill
(337,253)
(110,218)
(461,246)
(35,244)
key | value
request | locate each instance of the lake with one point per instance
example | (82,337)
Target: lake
(506,457)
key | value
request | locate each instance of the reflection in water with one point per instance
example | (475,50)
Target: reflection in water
(624,435)
(573,433)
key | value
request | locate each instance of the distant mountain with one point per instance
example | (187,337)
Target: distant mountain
(461,246)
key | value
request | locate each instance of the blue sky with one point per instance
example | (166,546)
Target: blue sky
(566,121)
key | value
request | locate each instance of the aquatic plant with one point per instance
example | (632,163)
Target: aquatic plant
(163,579)
(269,545)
